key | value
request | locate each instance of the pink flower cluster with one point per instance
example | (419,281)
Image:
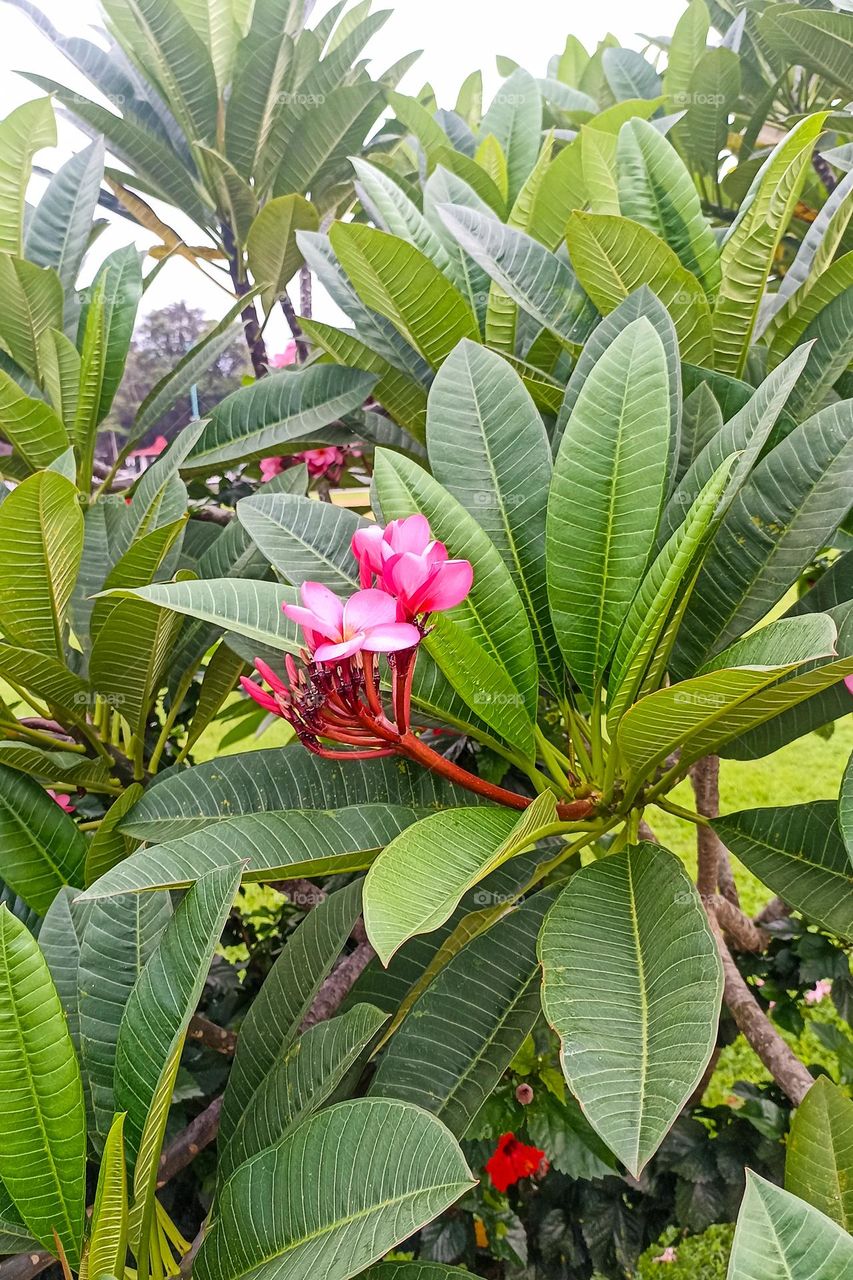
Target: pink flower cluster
(328,461)
(405,574)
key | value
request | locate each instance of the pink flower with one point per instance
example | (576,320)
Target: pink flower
(335,630)
(271,467)
(285,357)
(819,991)
(319,461)
(152,450)
(62,800)
(410,565)
(848,680)
(669,1255)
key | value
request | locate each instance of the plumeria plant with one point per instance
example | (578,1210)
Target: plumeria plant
(597,381)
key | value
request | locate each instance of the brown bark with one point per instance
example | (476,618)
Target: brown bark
(742,931)
(205,1032)
(295,328)
(198,1134)
(783,1064)
(341,980)
(249,315)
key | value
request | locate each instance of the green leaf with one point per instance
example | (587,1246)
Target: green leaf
(317,145)
(539,281)
(415,1271)
(745,434)
(306,1078)
(670,575)
(606,497)
(58,232)
(632,985)
(43,1121)
(32,304)
(60,365)
(429,311)
(750,246)
(130,659)
(273,254)
(119,282)
(393,211)
(779,1235)
(712,95)
(151,504)
(120,936)
(92,365)
(26,130)
(418,880)
(159,1008)
(656,190)
(467,1026)
(279,778)
(819,1158)
(275,1016)
(272,846)
(821,42)
(493,613)
(730,695)
(41,848)
(613,256)
(799,853)
(514,119)
(784,515)
(384,1169)
(59,939)
(276,412)
(108,1242)
(108,845)
(845,807)
(403,397)
(177,58)
(32,428)
(630,75)
(685,49)
(49,767)
(489,448)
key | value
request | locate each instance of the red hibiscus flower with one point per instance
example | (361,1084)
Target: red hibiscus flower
(514,1160)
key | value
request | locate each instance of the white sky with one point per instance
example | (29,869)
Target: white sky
(456,37)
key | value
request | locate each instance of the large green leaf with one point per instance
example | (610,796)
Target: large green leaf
(58,232)
(270,416)
(489,448)
(130,659)
(301,1082)
(108,1241)
(799,853)
(392,210)
(33,429)
(745,434)
(845,807)
(273,1020)
(159,1008)
(464,1030)
(493,613)
(119,937)
(269,846)
(819,1158)
(656,190)
(273,254)
(402,396)
(514,118)
(685,49)
(539,281)
(41,848)
(750,246)
(382,1169)
(25,131)
(32,305)
(737,691)
(119,281)
(606,497)
(42,1121)
(612,256)
(822,42)
(60,937)
(783,516)
(417,882)
(415,1271)
(318,144)
(632,985)
(393,277)
(779,1235)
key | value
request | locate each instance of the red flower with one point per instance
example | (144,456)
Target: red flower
(512,1161)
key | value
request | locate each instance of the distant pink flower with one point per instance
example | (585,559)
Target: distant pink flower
(319,461)
(407,563)
(285,357)
(848,680)
(335,630)
(669,1255)
(271,467)
(152,450)
(62,800)
(819,991)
